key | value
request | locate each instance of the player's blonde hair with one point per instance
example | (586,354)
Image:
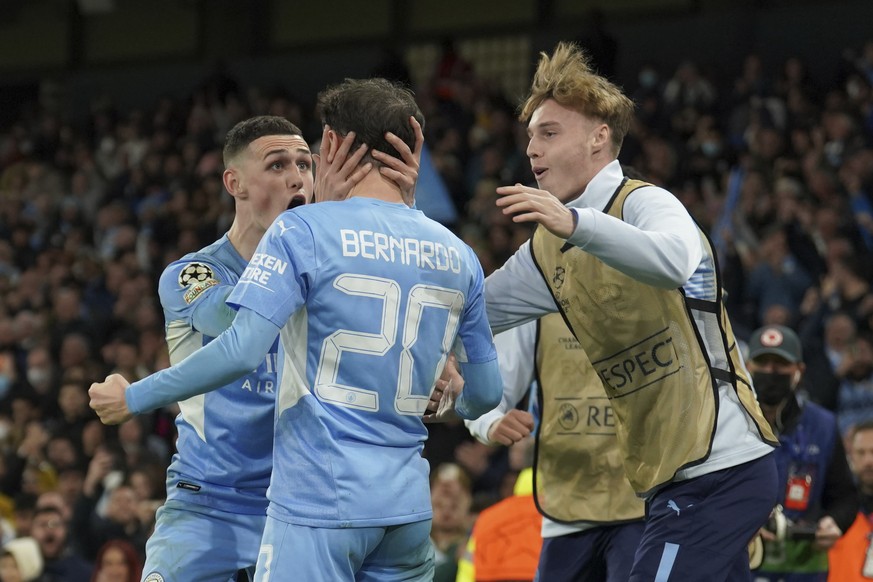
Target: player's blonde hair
(567,77)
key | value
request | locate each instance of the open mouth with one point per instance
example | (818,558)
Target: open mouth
(538,172)
(297,200)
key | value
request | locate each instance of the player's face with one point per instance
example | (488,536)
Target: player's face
(276,174)
(562,142)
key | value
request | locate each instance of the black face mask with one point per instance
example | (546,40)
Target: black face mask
(772,388)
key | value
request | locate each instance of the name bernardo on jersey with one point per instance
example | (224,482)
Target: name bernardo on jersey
(379,246)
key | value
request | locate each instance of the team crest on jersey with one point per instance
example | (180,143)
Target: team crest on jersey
(154,577)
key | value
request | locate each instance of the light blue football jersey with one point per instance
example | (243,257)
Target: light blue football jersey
(370,297)
(225,443)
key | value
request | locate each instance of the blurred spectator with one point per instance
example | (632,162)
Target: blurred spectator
(139,446)
(688,91)
(849,558)
(452,72)
(20,561)
(61,564)
(506,542)
(117,561)
(855,400)
(56,501)
(778,278)
(816,492)
(823,354)
(108,508)
(74,411)
(451,497)
(42,374)
(24,506)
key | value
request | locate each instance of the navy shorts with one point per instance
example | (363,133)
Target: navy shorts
(602,554)
(700,529)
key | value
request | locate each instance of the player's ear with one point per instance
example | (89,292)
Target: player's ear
(600,135)
(334,139)
(232,182)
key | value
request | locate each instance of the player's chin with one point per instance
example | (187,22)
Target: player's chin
(297,200)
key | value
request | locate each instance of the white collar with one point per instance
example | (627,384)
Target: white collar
(601,187)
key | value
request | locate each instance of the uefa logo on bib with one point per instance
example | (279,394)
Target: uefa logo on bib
(154,577)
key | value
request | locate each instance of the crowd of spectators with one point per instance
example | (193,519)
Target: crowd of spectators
(777,166)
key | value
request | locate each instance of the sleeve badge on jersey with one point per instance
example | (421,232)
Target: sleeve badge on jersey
(197,289)
(194,273)
(197,277)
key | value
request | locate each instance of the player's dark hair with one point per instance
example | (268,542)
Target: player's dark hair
(370,108)
(248,130)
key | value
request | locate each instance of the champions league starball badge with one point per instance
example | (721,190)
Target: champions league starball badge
(194,273)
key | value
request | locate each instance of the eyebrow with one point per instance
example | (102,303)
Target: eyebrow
(282,152)
(543,125)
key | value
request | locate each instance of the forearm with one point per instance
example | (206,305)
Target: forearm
(483,389)
(515,351)
(233,353)
(655,241)
(662,258)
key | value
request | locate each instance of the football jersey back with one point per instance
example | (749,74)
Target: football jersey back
(371,297)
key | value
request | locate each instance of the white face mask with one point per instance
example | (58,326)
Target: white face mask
(38,376)
(710,148)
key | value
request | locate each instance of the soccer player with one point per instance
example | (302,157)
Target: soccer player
(370,297)
(211,524)
(638,284)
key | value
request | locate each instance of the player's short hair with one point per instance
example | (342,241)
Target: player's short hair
(248,130)
(567,77)
(370,108)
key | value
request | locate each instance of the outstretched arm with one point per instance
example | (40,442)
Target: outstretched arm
(656,243)
(232,354)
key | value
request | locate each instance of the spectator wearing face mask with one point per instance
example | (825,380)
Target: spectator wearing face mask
(817,497)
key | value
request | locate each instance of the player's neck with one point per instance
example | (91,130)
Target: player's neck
(375,185)
(245,237)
